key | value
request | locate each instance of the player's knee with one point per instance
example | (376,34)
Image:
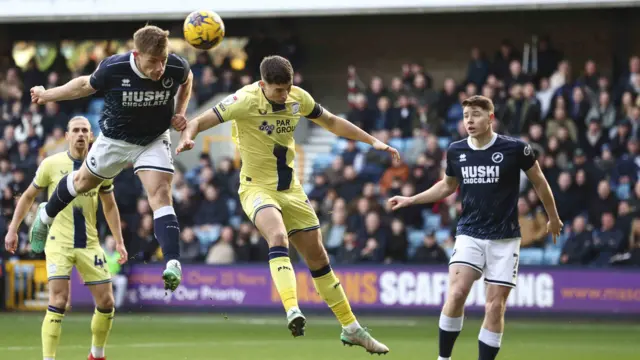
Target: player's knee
(59,299)
(105,301)
(495,307)
(457,296)
(278,238)
(83,181)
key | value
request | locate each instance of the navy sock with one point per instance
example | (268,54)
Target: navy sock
(167,231)
(278,251)
(56,310)
(60,198)
(446,340)
(486,352)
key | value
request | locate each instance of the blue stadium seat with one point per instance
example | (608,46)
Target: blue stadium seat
(96,106)
(444,142)
(235,221)
(415,237)
(339,146)
(442,235)
(552,255)
(397,143)
(363,147)
(432,221)
(308,187)
(531,256)
(94,120)
(323,161)
(232,205)
(449,252)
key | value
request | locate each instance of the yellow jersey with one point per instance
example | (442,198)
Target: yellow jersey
(75,226)
(263,131)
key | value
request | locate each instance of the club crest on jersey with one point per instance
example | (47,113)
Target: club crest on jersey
(527,150)
(295,108)
(167,82)
(497,157)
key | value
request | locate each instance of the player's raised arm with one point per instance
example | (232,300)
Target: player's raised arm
(24,204)
(437,192)
(202,122)
(346,129)
(112,215)
(540,184)
(75,89)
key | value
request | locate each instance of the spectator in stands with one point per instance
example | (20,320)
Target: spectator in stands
(375,92)
(559,120)
(351,185)
(590,77)
(580,106)
(578,249)
(411,215)
(607,240)
(594,139)
(145,240)
(545,95)
(620,140)
(206,86)
(335,173)
(398,170)
(25,160)
(213,209)
(478,68)
(384,114)
(350,154)
(448,97)
(533,225)
(604,202)
(222,251)
(189,246)
(430,252)
(373,239)
(403,119)
(503,58)
(398,244)
(361,115)
(566,198)
(349,252)
(603,111)
(5,173)
(333,231)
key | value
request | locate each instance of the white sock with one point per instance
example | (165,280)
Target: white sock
(49,358)
(97,352)
(174,263)
(450,324)
(490,338)
(44,217)
(70,186)
(352,327)
(441,358)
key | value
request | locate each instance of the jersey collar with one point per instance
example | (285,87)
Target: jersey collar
(134,67)
(275,107)
(76,162)
(489,144)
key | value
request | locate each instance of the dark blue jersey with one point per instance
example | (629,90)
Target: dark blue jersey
(137,109)
(489,180)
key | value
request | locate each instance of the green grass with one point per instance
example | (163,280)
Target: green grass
(211,336)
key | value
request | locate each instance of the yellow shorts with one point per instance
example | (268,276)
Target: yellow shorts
(90,262)
(293,204)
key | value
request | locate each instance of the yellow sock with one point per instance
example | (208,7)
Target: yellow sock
(283,275)
(51,329)
(100,328)
(331,291)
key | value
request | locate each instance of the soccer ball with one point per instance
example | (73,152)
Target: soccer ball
(203,29)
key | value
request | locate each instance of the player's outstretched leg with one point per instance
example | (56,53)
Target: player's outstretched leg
(102,319)
(269,221)
(52,323)
(490,336)
(68,188)
(165,223)
(461,279)
(309,244)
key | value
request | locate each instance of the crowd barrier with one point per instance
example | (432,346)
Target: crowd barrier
(382,288)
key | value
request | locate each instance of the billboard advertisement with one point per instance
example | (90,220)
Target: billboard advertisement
(380,288)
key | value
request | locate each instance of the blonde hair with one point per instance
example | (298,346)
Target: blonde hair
(151,40)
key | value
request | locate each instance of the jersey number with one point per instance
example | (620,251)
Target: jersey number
(99,262)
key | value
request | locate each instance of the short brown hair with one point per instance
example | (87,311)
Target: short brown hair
(276,70)
(151,40)
(480,101)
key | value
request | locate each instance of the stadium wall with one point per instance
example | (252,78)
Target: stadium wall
(383,289)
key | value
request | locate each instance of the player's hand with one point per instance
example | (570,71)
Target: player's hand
(11,242)
(554,227)
(398,202)
(179,122)
(36,95)
(124,256)
(379,145)
(185,145)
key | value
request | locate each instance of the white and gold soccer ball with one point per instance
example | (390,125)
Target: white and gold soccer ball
(203,29)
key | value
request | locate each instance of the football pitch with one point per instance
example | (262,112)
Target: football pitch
(214,336)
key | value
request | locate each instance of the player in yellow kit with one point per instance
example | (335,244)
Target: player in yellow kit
(73,241)
(265,115)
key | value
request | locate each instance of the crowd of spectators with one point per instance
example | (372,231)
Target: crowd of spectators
(583,130)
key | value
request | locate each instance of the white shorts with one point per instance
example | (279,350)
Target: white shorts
(496,259)
(108,157)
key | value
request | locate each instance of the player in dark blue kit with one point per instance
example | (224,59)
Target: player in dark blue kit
(146,91)
(487,168)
